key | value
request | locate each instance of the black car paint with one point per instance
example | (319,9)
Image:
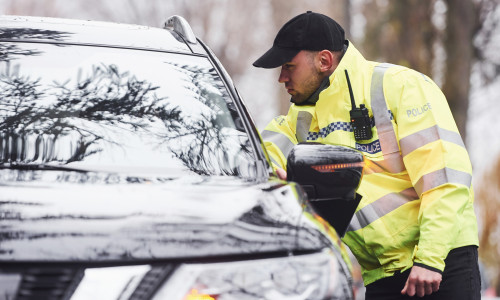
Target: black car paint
(57,216)
(49,231)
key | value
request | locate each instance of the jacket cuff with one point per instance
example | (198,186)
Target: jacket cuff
(432,259)
(428,268)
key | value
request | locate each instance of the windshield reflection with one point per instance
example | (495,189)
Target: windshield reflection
(120,115)
(205,136)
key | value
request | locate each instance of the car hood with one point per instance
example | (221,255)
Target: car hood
(85,216)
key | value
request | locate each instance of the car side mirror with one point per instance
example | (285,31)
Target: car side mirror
(330,175)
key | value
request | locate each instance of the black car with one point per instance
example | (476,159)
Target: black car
(131,169)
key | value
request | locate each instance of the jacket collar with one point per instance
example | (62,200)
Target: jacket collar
(352,61)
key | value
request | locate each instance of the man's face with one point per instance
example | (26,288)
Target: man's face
(300,76)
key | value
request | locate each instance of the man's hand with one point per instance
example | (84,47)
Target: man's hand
(281,173)
(422,282)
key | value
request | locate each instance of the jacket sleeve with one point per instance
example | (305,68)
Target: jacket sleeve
(437,163)
(279,139)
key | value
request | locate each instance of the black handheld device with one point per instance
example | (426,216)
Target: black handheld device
(360,119)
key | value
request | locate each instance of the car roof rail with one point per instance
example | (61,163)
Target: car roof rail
(181,27)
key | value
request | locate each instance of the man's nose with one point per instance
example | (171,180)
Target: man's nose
(283,76)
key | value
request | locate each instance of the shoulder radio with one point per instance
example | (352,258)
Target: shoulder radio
(360,119)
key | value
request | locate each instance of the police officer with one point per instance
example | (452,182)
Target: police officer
(414,232)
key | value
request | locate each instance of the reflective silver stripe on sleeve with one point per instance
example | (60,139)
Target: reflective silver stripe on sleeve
(393,161)
(276,163)
(304,120)
(440,177)
(418,139)
(280,140)
(380,208)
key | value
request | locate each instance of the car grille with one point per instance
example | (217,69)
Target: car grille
(49,284)
(60,283)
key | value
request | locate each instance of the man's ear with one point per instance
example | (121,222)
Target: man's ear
(325,60)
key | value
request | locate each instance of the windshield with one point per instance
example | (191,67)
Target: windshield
(119,110)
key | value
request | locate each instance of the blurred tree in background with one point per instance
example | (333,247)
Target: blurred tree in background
(434,37)
(489,204)
(455,42)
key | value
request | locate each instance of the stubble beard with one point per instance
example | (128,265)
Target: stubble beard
(309,87)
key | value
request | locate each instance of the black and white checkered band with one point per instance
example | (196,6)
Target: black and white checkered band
(344,126)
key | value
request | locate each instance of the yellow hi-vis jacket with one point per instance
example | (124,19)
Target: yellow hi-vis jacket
(417,200)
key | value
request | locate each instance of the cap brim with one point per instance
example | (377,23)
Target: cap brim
(275,57)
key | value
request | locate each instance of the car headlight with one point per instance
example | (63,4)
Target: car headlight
(313,276)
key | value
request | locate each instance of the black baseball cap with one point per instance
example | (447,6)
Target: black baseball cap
(307,31)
